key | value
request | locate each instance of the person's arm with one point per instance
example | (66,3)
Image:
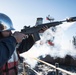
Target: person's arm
(7,47)
(26,44)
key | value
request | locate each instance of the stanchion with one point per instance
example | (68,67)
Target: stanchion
(57,72)
(24,69)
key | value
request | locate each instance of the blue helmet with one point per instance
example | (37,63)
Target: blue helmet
(5,23)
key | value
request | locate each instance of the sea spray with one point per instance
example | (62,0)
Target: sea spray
(62,45)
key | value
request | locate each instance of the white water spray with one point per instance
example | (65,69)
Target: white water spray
(62,45)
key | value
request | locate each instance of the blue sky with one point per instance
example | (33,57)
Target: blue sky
(25,12)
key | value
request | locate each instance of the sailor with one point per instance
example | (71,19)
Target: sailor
(8,46)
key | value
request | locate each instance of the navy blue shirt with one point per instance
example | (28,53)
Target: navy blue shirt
(7,47)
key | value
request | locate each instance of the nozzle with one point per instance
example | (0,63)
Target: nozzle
(71,19)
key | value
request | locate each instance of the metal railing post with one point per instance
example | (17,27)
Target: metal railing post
(57,72)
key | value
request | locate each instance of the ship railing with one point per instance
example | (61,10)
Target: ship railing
(26,69)
(56,67)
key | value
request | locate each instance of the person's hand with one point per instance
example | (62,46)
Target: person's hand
(18,36)
(43,29)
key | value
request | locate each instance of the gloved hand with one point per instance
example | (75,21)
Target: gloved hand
(18,36)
